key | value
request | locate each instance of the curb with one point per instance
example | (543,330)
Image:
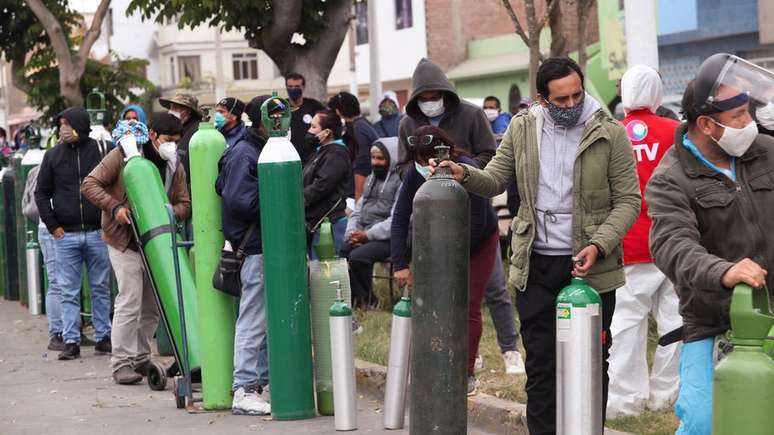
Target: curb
(485,412)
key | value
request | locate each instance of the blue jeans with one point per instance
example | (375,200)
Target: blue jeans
(72,250)
(501,307)
(54,293)
(251,358)
(339,228)
(694,403)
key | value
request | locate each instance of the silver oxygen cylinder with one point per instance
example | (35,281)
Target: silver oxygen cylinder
(398,365)
(35,298)
(343,362)
(578,360)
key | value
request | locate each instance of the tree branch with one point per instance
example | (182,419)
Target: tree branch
(550,6)
(17,75)
(54,31)
(285,18)
(516,23)
(91,35)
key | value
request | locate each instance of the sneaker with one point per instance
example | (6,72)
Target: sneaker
(126,376)
(472,385)
(71,351)
(87,342)
(513,363)
(248,401)
(103,346)
(479,365)
(357,328)
(56,343)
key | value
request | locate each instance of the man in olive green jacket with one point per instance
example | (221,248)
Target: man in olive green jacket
(579,195)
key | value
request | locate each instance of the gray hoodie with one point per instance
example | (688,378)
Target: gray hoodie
(372,212)
(558,148)
(465,123)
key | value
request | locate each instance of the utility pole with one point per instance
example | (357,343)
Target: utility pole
(220,88)
(641,33)
(375,80)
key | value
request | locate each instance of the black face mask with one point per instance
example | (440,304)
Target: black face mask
(311,140)
(380,172)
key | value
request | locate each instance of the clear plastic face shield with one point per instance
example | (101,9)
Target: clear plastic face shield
(739,82)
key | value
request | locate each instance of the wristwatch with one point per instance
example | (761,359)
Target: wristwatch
(465,174)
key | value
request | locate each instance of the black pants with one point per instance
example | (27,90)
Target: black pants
(537,313)
(361,268)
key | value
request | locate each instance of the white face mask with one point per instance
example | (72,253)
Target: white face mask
(175,114)
(168,150)
(736,141)
(765,115)
(431,109)
(491,114)
(424,171)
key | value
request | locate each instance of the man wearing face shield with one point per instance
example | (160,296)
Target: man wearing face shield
(135,316)
(709,200)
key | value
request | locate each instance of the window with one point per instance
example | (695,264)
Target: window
(189,66)
(361,22)
(245,66)
(403,16)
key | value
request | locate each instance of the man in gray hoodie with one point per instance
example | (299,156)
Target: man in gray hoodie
(435,101)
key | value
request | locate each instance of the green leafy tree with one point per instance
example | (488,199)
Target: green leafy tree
(37,72)
(301,36)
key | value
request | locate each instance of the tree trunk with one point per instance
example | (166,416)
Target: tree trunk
(533,31)
(583,15)
(534,63)
(558,37)
(70,89)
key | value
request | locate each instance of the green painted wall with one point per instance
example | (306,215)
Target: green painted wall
(499,86)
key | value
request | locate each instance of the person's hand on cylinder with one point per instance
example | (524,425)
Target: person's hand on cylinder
(458,172)
(745,271)
(123,216)
(58,233)
(358,238)
(403,277)
(584,261)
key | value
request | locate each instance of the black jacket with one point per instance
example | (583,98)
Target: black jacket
(59,179)
(190,127)
(237,184)
(327,181)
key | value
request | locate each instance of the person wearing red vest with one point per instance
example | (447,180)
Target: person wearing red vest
(647,290)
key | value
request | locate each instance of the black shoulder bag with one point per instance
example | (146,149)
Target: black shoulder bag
(227,277)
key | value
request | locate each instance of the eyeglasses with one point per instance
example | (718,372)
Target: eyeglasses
(425,140)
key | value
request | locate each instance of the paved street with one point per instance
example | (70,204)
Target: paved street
(41,395)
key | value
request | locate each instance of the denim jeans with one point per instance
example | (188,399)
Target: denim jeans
(54,293)
(694,402)
(501,307)
(338,228)
(72,250)
(251,359)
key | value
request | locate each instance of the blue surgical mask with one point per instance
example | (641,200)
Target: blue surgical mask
(423,170)
(219,120)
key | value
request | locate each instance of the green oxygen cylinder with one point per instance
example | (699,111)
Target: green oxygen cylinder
(3,272)
(148,199)
(9,233)
(33,157)
(217,310)
(20,220)
(324,248)
(743,389)
(283,235)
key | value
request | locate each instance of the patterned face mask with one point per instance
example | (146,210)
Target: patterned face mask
(566,116)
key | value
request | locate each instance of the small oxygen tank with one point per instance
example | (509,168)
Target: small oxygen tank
(343,361)
(398,365)
(743,388)
(578,360)
(33,275)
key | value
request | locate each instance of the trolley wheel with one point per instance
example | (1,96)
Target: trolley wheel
(157,377)
(179,398)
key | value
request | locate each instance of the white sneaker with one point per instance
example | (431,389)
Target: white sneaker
(513,363)
(479,365)
(249,403)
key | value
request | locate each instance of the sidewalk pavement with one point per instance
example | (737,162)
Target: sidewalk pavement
(41,395)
